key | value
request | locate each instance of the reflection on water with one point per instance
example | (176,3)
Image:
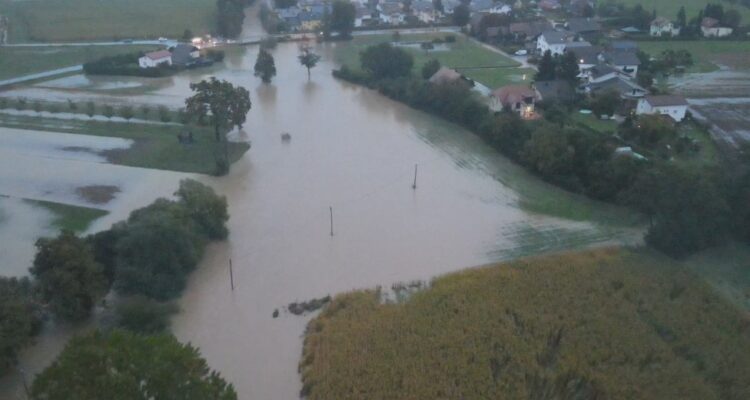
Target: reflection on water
(355,151)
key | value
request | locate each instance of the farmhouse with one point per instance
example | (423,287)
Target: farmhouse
(712,28)
(517,98)
(673,106)
(626,62)
(184,55)
(155,59)
(554,91)
(663,27)
(553,41)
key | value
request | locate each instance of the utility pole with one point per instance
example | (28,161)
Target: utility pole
(231,275)
(23,380)
(414,186)
(331,209)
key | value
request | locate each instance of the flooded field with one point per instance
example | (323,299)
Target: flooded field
(350,149)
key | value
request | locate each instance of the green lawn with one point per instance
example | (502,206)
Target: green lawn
(669,8)
(463,54)
(707,154)
(73,218)
(605,324)
(156,146)
(706,53)
(73,20)
(591,121)
(18,61)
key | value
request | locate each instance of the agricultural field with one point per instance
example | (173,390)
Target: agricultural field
(609,323)
(79,20)
(669,8)
(69,217)
(707,54)
(474,61)
(18,61)
(155,146)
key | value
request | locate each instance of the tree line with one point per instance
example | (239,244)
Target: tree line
(146,259)
(689,209)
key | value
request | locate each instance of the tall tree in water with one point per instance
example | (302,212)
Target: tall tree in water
(125,365)
(341,19)
(308,59)
(265,67)
(225,105)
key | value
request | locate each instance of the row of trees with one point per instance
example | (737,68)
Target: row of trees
(563,67)
(689,209)
(230,15)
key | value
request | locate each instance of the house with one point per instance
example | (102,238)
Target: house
(290,16)
(624,45)
(310,20)
(583,26)
(588,57)
(155,59)
(529,30)
(184,54)
(663,27)
(673,106)
(517,98)
(425,11)
(362,16)
(601,72)
(553,41)
(447,75)
(391,13)
(624,61)
(549,5)
(554,91)
(488,6)
(627,89)
(711,28)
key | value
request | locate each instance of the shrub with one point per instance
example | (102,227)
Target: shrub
(143,315)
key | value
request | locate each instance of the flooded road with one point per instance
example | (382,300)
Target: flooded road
(353,150)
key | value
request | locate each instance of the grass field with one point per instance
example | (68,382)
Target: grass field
(669,8)
(74,20)
(18,61)
(707,54)
(591,121)
(614,324)
(156,146)
(463,54)
(73,218)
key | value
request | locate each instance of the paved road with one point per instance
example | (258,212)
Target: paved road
(46,74)
(110,43)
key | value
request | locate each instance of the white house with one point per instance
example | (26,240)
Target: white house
(663,27)
(155,58)
(673,106)
(711,28)
(424,10)
(391,13)
(552,41)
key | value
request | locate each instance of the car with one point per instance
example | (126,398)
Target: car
(521,52)
(163,39)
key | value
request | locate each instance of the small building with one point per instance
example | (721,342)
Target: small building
(529,30)
(549,5)
(446,75)
(362,16)
(712,28)
(391,13)
(587,57)
(155,59)
(184,55)
(627,89)
(583,26)
(663,27)
(670,105)
(624,61)
(557,91)
(553,41)
(517,98)
(601,72)
(425,11)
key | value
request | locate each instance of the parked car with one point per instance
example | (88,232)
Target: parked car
(521,52)
(163,39)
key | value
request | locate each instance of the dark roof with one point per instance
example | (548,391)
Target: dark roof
(493,31)
(602,70)
(181,54)
(530,29)
(583,25)
(554,90)
(586,55)
(158,55)
(622,86)
(623,58)
(555,37)
(666,101)
(624,45)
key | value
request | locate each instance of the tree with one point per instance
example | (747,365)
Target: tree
(68,277)
(224,104)
(265,67)
(145,111)
(19,319)
(461,15)
(205,207)
(90,109)
(187,35)
(124,365)
(605,103)
(681,18)
(385,61)
(567,68)
(341,19)
(308,59)
(546,67)
(548,152)
(140,314)
(732,18)
(109,111)
(430,68)
(230,16)
(127,112)
(438,4)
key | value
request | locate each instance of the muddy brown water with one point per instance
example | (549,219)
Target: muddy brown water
(355,151)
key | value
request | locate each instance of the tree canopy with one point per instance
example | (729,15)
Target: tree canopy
(221,102)
(19,319)
(341,19)
(461,15)
(308,59)
(265,67)
(230,15)
(385,61)
(127,366)
(68,277)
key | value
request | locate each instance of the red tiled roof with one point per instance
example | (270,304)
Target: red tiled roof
(513,94)
(158,55)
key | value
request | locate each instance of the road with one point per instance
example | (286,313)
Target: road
(39,75)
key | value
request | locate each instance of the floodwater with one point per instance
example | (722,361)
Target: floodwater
(355,151)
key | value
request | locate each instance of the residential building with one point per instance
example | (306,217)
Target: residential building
(362,16)
(663,27)
(588,57)
(155,59)
(549,5)
(624,61)
(600,73)
(518,98)
(425,11)
(712,28)
(627,89)
(583,26)
(673,106)
(184,54)
(391,13)
(554,91)
(489,6)
(553,41)
(311,20)
(529,30)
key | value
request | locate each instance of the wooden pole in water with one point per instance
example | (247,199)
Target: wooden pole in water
(331,209)
(231,274)
(414,186)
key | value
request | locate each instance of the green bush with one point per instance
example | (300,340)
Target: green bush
(143,315)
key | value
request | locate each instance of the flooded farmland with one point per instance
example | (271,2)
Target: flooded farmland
(350,149)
